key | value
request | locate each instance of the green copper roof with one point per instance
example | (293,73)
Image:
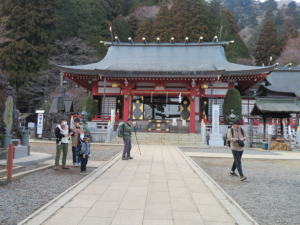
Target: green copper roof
(275,105)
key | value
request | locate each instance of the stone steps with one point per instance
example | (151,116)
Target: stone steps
(172,139)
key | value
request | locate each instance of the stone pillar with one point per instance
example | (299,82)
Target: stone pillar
(203,132)
(270,133)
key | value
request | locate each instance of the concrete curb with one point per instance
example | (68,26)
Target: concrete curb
(23,174)
(54,143)
(233,208)
(15,168)
(41,215)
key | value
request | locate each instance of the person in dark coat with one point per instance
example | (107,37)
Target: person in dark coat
(62,144)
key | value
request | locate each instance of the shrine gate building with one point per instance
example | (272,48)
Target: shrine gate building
(163,81)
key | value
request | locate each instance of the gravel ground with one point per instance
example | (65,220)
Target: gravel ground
(271,192)
(23,197)
(99,153)
(225,150)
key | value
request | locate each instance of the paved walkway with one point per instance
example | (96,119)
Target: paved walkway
(159,187)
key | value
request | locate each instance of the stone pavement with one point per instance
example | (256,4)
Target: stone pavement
(160,187)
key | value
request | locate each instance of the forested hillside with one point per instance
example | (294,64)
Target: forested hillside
(252,18)
(34,36)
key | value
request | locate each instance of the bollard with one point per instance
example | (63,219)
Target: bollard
(10,157)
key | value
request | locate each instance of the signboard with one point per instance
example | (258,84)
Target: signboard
(39,126)
(174,122)
(215,119)
(289,130)
(270,131)
(60,104)
(8,113)
(30,125)
(112,115)
(184,123)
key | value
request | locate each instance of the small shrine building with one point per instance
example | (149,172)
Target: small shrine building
(163,81)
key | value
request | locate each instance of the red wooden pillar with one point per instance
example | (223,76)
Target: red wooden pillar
(192,111)
(126,104)
(95,87)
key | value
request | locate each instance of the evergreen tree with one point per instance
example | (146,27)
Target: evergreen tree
(29,48)
(233,101)
(198,22)
(292,6)
(92,26)
(162,26)
(180,19)
(278,20)
(215,17)
(121,29)
(252,21)
(270,4)
(133,24)
(267,45)
(289,23)
(269,13)
(118,7)
(230,32)
(67,23)
(144,30)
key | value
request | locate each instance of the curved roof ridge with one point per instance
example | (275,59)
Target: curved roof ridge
(178,59)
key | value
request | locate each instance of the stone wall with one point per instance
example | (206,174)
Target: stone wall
(5,91)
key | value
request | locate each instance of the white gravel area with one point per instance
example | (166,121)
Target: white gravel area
(271,192)
(21,198)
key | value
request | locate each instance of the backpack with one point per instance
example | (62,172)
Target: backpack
(228,142)
(120,129)
(79,148)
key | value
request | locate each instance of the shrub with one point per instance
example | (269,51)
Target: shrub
(233,101)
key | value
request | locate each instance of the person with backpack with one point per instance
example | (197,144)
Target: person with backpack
(236,137)
(127,129)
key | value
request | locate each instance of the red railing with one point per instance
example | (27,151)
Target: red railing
(106,118)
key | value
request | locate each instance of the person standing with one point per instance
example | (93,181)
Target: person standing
(128,128)
(63,145)
(239,134)
(85,153)
(76,141)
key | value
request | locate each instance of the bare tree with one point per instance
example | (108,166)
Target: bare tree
(69,52)
(291,52)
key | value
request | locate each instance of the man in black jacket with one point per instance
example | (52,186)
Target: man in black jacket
(62,143)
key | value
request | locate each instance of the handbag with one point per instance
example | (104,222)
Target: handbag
(241,143)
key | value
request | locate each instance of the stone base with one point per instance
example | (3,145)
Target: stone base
(216,140)
(21,151)
(98,136)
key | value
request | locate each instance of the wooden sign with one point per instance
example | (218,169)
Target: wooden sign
(8,113)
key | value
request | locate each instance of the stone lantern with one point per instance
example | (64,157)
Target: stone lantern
(84,115)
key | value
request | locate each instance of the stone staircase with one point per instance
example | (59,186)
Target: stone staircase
(171,139)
